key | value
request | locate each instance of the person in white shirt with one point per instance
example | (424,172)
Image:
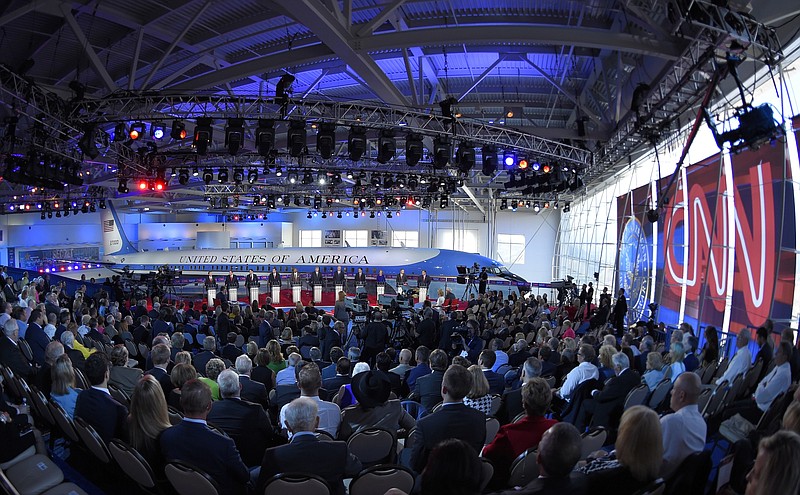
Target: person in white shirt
(330,416)
(741,360)
(286,376)
(501,358)
(584,371)
(683,432)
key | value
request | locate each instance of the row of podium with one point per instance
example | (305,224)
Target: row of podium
(233,293)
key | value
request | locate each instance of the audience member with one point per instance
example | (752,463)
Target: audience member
(428,388)
(252,390)
(95,404)
(655,370)
(515,438)
(453,468)
(478,397)
(333,461)
(192,441)
(605,406)
(148,418)
(584,371)
(636,460)
(486,360)
(453,420)
(214,367)
(775,470)
(741,360)
(374,409)
(181,373)
(63,390)
(422,368)
(160,355)
(122,375)
(309,381)
(684,431)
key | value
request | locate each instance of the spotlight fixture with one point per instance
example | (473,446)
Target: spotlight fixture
(222,175)
(386,146)
(178,132)
(322,178)
(265,137)
(238,175)
(447,107)
(523,164)
(292,177)
(122,188)
(414,149)
(307,178)
(143,185)
(183,176)
(566,207)
(208,175)
(87,142)
(120,132)
(158,130)
(509,159)
(136,131)
(357,143)
(465,156)
(296,137)
(202,135)
(326,140)
(309,215)
(234,135)
(413,182)
(442,151)
(504,204)
(489,155)
(252,175)
(536,206)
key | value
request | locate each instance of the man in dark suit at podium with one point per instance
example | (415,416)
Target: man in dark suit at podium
(401,280)
(339,280)
(316,283)
(251,280)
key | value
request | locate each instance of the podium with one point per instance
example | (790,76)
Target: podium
(318,293)
(423,294)
(233,294)
(276,294)
(296,293)
(253,293)
(337,288)
(379,289)
(212,294)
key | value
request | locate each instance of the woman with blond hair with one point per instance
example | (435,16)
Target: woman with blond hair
(606,367)
(655,370)
(479,397)
(147,418)
(775,470)
(63,390)
(636,460)
(276,360)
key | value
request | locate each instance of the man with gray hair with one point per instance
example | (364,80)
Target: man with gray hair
(741,360)
(201,359)
(333,461)
(252,390)
(75,355)
(684,431)
(10,354)
(606,406)
(287,376)
(512,400)
(404,358)
(245,422)
(44,379)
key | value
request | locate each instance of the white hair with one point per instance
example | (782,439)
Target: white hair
(10,327)
(301,414)
(228,382)
(360,368)
(244,364)
(621,360)
(68,339)
(294,358)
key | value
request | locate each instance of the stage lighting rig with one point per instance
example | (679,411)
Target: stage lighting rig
(386,146)
(265,137)
(326,140)
(465,156)
(296,137)
(357,143)
(178,132)
(234,135)
(414,149)
(442,151)
(158,130)
(489,155)
(202,135)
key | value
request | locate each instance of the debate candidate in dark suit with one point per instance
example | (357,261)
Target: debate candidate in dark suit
(333,461)
(251,280)
(606,405)
(316,277)
(453,420)
(95,404)
(192,441)
(245,422)
(360,278)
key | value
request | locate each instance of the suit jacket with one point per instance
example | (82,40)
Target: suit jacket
(764,354)
(231,281)
(76,356)
(163,380)
(208,450)
(107,416)
(274,280)
(333,461)
(451,421)
(316,278)
(231,352)
(332,339)
(376,335)
(253,391)
(608,403)
(512,406)
(294,279)
(338,278)
(514,439)
(424,281)
(38,341)
(429,389)
(401,280)
(335,383)
(201,359)
(263,375)
(11,357)
(360,279)
(247,424)
(251,280)
(211,283)
(285,394)
(496,382)
(389,415)
(125,378)
(691,362)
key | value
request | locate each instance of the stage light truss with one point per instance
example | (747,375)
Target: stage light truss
(715,31)
(374,117)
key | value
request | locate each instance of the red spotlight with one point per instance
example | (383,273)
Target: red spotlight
(546,169)
(523,164)
(160,184)
(136,131)
(142,185)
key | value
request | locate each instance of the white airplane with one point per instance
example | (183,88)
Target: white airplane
(442,265)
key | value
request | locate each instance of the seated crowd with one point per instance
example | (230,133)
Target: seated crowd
(246,393)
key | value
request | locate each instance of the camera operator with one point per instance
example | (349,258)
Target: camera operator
(376,336)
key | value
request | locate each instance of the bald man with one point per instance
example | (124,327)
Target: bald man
(684,432)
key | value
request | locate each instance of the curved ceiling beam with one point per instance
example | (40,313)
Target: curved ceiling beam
(511,33)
